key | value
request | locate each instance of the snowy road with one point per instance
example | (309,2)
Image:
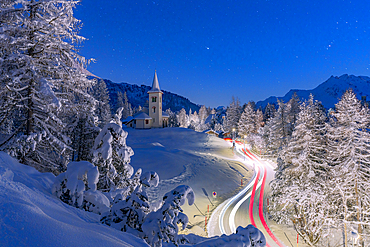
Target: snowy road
(247,207)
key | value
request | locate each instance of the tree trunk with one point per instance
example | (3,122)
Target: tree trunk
(29,126)
(345,235)
(359,230)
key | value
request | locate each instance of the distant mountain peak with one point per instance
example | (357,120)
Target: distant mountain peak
(328,92)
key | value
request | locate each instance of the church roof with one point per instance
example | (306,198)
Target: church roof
(142,115)
(155,86)
(165,115)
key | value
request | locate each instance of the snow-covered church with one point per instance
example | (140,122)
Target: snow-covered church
(153,115)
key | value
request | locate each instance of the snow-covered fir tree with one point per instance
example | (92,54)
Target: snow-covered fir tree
(277,129)
(349,146)
(232,115)
(77,187)
(172,119)
(127,110)
(294,107)
(193,120)
(301,185)
(103,111)
(41,70)
(269,111)
(182,118)
(112,156)
(259,119)
(203,114)
(83,131)
(247,121)
(130,208)
(119,102)
(162,225)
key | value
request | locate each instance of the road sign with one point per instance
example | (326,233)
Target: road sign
(214,193)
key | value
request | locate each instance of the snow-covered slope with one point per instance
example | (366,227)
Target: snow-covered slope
(183,156)
(31,216)
(138,95)
(330,91)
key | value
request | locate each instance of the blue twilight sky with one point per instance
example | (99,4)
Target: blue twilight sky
(210,50)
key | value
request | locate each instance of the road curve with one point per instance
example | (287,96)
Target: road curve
(244,203)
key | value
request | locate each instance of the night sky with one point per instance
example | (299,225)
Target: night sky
(209,51)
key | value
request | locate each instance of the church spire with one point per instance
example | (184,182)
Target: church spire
(155,86)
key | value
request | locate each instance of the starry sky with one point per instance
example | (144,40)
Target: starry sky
(211,50)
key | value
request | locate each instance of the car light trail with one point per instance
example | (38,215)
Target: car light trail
(237,206)
(260,210)
(242,196)
(231,201)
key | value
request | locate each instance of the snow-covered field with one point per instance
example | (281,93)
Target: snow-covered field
(183,156)
(31,216)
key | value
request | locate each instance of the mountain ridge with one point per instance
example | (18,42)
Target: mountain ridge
(329,92)
(138,95)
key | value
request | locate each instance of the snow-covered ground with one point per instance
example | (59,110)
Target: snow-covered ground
(31,216)
(183,156)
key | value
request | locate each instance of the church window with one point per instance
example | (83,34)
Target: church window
(153,120)
(146,121)
(154,99)
(153,109)
(160,99)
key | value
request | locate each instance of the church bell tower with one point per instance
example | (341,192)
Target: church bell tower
(155,103)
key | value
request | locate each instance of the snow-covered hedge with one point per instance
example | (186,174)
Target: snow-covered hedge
(130,205)
(77,187)
(112,156)
(244,237)
(161,225)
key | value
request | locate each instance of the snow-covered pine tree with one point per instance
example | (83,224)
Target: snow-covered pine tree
(293,106)
(301,185)
(83,131)
(103,111)
(259,119)
(269,111)
(128,212)
(247,121)
(41,70)
(127,110)
(161,225)
(112,156)
(232,115)
(182,118)
(349,146)
(193,119)
(203,114)
(172,119)
(119,102)
(277,129)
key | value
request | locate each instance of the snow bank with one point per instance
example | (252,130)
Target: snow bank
(244,237)
(77,187)
(31,216)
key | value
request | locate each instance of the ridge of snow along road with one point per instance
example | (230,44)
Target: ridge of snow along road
(257,183)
